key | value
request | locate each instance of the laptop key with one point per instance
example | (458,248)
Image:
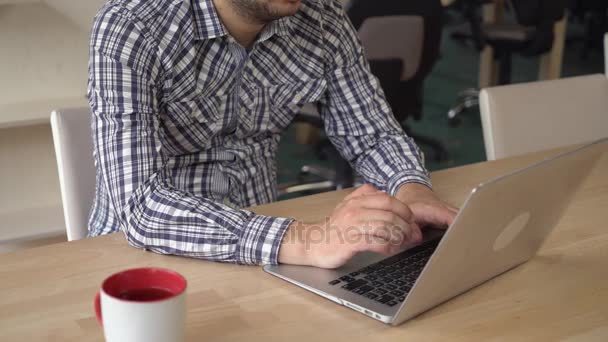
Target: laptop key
(347,279)
(391,269)
(363,289)
(392,260)
(353,274)
(354,284)
(334,282)
(384,299)
(409,253)
(388,279)
(390,287)
(407,270)
(370,295)
(377,283)
(405,288)
(370,277)
(401,299)
(365,270)
(374,267)
(380,291)
(392,303)
(397,293)
(401,264)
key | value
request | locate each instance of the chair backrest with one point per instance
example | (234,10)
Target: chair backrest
(74,151)
(410,30)
(404,31)
(529,117)
(537,12)
(542,15)
(378,42)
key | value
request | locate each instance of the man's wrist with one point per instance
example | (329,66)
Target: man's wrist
(293,246)
(409,192)
(404,177)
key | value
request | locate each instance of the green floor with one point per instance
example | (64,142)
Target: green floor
(456,70)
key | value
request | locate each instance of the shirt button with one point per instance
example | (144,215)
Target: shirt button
(226,201)
(243,110)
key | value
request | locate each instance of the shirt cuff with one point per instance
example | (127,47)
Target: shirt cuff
(404,177)
(261,239)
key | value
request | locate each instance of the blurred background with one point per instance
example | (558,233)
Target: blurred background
(431,65)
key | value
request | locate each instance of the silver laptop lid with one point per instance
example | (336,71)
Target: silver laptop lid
(502,224)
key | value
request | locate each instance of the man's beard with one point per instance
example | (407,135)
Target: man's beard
(259,11)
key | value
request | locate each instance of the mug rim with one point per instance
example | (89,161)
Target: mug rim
(182,284)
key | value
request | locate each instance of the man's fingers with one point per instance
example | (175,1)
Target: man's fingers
(386,231)
(449,215)
(374,245)
(397,234)
(364,215)
(365,189)
(434,215)
(383,201)
(416,232)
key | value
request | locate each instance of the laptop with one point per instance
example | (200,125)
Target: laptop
(501,225)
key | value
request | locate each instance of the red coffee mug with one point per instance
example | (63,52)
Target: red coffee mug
(142,304)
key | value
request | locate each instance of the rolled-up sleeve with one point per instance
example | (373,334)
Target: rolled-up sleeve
(357,118)
(125,76)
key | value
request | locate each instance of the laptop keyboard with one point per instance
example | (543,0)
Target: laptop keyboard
(390,280)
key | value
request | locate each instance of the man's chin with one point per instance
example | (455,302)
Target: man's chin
(285,8)
(288,8)
(270,10)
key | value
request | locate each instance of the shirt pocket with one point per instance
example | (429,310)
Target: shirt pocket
(272,108)
(190,125)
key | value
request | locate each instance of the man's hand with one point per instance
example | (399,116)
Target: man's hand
(427,208)
(366,220)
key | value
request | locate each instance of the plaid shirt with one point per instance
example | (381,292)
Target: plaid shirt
(186,122)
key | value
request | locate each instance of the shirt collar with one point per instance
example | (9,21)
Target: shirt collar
(280,27)
(208,25)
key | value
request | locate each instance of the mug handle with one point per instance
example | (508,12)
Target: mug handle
(97,304)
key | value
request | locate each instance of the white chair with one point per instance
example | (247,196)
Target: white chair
(529,117)
(74,151)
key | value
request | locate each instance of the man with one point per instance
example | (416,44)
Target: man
(189,98)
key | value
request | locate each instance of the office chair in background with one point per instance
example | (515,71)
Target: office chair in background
(531,35)
(74,151)
(529,117)
(401,40)
(593,15)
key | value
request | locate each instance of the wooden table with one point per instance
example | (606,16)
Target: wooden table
(46,293)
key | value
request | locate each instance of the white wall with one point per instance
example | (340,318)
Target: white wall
(43,65)
(43,54)
(29,177)
(81,12)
